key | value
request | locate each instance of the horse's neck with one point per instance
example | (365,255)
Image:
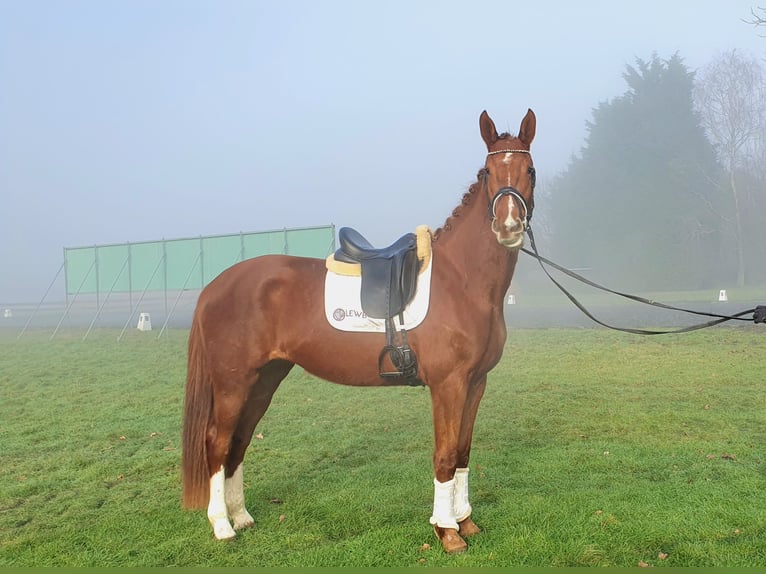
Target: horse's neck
(472,249)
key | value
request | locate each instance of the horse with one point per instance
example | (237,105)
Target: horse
(264,315)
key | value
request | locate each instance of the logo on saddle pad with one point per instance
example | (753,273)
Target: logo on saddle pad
(341,314)
(344,307)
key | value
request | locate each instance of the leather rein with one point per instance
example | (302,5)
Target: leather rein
(758,312)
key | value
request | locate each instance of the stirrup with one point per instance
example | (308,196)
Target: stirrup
(401,356)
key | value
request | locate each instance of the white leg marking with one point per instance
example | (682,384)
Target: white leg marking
(235,500)
(216,509)
(462,506)
(444,504)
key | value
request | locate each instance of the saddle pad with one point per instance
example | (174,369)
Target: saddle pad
(343,303)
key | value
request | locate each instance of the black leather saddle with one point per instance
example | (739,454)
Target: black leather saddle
(389,274)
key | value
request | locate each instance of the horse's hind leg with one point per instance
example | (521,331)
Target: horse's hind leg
(234,495)
(232,500)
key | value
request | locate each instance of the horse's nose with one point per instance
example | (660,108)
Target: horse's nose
(514,225)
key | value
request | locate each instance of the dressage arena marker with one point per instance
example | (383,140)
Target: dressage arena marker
(144,322)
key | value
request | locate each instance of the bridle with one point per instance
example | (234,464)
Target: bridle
(511,192)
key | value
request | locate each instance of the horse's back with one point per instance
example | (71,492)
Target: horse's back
(261,276)
(260,294)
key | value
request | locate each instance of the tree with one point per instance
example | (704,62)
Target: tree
(730,95)
(758,19)
(638,206)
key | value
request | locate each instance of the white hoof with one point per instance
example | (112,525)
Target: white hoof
(242,520)
(223,530)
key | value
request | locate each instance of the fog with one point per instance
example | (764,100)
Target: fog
(127,122)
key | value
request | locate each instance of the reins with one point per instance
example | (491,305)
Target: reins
(758,312)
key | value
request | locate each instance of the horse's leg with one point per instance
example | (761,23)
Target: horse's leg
(447,402)
(229,407)
(234,496)
(462,505)
(258,401)
(216,508)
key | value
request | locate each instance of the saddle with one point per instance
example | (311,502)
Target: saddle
(389,274)
(389,280)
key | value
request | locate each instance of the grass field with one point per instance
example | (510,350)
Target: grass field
(591,449)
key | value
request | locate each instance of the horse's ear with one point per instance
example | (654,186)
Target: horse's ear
(487,127)
(528,127)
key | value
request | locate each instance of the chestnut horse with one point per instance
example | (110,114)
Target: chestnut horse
(262,316)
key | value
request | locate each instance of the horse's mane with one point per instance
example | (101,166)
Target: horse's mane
(465,201)
(467,196)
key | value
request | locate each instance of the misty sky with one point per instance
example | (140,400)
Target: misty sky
(145,119)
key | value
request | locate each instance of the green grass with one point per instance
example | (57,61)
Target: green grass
(591,449)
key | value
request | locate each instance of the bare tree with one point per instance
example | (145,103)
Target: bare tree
(757,19)
(730,96)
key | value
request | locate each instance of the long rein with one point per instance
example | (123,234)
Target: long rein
(758,312)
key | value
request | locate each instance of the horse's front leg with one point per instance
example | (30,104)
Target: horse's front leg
(448,400)
(466,526)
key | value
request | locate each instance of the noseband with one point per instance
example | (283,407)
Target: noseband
(511,191)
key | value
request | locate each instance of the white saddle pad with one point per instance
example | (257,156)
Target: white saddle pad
(343,303)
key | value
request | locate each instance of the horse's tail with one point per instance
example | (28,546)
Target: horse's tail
(198,405)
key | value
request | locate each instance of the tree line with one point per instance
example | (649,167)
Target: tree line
(669,189)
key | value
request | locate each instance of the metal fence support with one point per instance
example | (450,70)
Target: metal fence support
(180,292)
(70,303)
(101,306)
(41,301)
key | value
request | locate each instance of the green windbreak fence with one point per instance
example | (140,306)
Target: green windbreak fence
(181,264)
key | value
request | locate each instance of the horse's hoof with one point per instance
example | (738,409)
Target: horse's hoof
(223,530)
(468,528)
(242,521)
(451,540)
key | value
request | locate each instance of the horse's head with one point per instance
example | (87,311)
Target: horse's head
(509,179)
